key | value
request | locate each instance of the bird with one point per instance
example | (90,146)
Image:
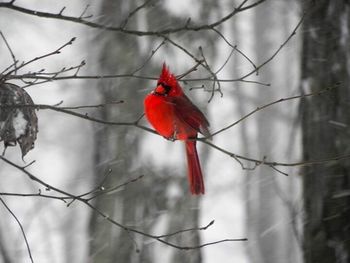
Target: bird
(175,117)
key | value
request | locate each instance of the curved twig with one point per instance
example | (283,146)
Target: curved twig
(21,227)
(122,29)
(106,217)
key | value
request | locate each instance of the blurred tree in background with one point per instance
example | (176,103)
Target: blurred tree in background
(144,203)
(325,120)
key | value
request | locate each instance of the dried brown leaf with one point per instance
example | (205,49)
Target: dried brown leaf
(18,122)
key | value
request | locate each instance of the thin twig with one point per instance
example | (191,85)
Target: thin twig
(225,62)
(107,218)
(215,78)
(79,115)
(133,12)
(99,187)
(83,13)
(240,8)
(277,51)
(55,77)
(57,51)
(153,52)
(258,162)
(21,227)
(188,230)
(194,68)
(269,105)
(62,198)
(11,52)
(257,68)
(235,156)
(92,106)
(112,189)
(6,69)
(235,48)
(278,170)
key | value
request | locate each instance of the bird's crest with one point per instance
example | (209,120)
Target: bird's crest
(167,77)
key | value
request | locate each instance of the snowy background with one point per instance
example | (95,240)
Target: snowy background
(260,204)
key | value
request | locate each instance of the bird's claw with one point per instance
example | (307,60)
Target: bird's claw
(172,138)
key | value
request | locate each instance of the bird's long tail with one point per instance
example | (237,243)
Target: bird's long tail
(195,176)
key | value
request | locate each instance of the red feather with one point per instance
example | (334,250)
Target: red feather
(195,176)
(174,116)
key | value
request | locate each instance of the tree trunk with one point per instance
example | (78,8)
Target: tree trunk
(116,147)
(270,196)
(4,255)
(144,204)
(325,120)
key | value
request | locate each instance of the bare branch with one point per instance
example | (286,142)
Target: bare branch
(55,77)
(277,51)
(153,52)
(34,178)
(106,217)
(194,68)
(80,20)
(238,158)
(225,62)
(158,238)
(82,16)
(57,51)
(61,11)
(21,227)
(215,78)
(79,115)
(6,69)
(188,230)
(278,170)
(273,103)
(132,13)
(258,162)
(11,52)
(115,188)
(39,194)
(92,106)
(234,47)
(257,68)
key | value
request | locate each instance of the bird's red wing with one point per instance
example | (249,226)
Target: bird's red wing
(186,111)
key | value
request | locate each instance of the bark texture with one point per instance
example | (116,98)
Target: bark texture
(325,120)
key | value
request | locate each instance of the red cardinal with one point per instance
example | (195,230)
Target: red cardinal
(174,116)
